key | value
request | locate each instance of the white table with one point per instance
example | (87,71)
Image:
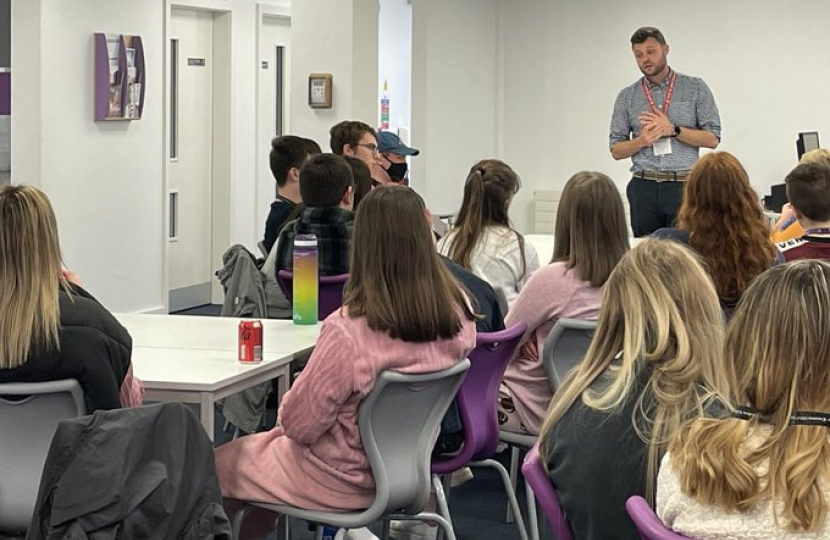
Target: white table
(194,359)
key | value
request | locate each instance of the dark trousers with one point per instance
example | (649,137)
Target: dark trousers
(653,204)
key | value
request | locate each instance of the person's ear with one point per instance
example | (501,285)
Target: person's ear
(798,215)
(348,198)
(347,150)
(428,215)
(294,174)
(666,49)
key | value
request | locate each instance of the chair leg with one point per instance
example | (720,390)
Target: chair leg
(442,491)
(238,520)
(511,495)
(430,516)
(385,533)
(532,517)
(514,475)
(283,528)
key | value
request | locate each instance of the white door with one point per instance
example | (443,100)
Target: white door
(274,87)
(190,170)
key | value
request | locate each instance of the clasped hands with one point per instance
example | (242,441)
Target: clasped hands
(655,125)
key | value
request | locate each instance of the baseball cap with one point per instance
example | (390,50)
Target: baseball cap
(389,142)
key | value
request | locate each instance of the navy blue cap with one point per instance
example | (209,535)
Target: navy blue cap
(389,142)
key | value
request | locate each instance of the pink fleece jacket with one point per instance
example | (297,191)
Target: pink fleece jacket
(315,459)
(551,293)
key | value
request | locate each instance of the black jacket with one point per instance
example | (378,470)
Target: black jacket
(130,474)
(94,349)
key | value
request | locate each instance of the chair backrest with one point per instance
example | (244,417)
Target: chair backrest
(478,397)
(330,293)
(646,521)
(399,421)
(29,415)
(534,473)
(565,347)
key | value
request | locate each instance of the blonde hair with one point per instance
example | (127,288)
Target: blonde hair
(776,364)
(817,155)
(591,234)
(30,275)
(659,312)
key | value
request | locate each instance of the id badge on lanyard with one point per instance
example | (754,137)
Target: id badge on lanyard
(663,146)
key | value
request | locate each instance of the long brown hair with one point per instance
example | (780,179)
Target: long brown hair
(776,364)
(489,188)
(726,223)
(397,280)
(30,275)
(659,312)
(591,233)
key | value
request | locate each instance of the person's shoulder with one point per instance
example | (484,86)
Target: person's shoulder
(691,80)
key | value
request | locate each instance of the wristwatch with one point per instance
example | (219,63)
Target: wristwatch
(676,131)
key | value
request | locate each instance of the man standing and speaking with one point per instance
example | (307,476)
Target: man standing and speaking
(660,122)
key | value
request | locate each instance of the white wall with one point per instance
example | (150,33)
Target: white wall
(395,60)
(338,37)
(455,107)
(561,64)
(107,179)
(104,178)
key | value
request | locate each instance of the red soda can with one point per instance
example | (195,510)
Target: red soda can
(250,342)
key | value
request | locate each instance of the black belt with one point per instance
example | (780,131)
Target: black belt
(662,176)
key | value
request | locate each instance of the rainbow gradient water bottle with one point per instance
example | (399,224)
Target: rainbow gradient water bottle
(306,280)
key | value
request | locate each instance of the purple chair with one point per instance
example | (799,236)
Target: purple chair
(648,524)
(478,406)
(331,291)
(536,477)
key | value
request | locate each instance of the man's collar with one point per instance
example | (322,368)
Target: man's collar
(663,84)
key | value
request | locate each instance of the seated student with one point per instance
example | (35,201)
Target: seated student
(362,179)
(787,227)
(656,348)
(327,188)
(590,239)
(392,167)
(50,327)
(288,153)
(356,139)
(722,220)
(314,459)
(762,473)
(808,189)
(483,240)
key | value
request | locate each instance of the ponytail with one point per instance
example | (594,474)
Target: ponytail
(488,190)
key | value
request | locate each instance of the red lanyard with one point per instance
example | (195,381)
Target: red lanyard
(669,93)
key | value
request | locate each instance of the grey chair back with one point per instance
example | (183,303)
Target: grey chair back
(29,415)
(399,421)
(565,347)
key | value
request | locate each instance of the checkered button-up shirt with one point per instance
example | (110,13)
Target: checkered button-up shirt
(333,229)
(692,106)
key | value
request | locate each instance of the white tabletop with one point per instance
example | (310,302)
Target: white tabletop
(194,359)
(215,333)
(196,370)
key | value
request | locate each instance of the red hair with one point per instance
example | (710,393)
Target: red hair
(726,224)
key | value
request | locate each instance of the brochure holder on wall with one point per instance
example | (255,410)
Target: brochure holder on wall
(120,77)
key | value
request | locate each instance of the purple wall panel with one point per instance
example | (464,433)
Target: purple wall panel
(5,93)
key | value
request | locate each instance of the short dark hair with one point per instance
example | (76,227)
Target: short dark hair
(362,178)
(288,152)
(324,179)
(808,189)
(642,34)
(348,132)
